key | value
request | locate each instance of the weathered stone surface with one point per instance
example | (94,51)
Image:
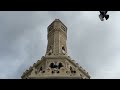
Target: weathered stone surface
(56,64)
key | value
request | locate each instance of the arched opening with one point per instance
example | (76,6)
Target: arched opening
(52,65)
(49,54)
(63,48)
(52,72)
(58,72)
(70,68)
(60,65)
(40,68)
(50,50)
(72,71)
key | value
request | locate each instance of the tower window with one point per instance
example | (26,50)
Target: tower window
(63,48)
(50,50)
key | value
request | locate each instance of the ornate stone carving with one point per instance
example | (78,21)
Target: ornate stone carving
(56,63)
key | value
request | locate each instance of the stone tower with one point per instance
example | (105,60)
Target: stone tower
(56,64)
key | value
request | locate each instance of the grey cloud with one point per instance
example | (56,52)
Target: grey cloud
(95,45)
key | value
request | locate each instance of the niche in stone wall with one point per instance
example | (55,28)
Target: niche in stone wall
(52,65)
(63,50)
(72,70)
(50,50)
(58,66)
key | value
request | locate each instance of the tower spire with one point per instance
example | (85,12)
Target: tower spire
(57,36)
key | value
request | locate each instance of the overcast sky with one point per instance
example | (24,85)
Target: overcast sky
(92,43)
